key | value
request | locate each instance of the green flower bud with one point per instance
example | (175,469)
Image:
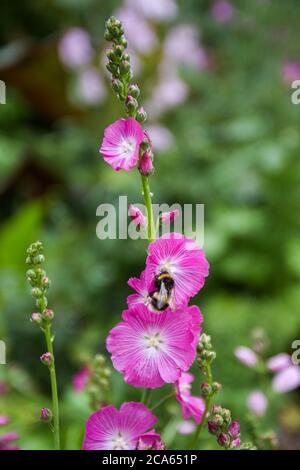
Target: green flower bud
(131,104)
(216,386)
(36,292)
(141,115)
(39,259)
(218,420)
(125,67)
(117,85)
(134,90)
(36,318)
(205,389)
(41,302)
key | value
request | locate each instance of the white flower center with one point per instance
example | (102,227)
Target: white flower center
(167,266)
(128,146)
(119,442)
(153,341)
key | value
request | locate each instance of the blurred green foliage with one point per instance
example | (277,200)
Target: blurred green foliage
(236,150)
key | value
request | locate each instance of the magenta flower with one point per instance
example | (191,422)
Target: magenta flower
(75,48)
(7,441)
(146,166)
(191,406)
(4,420)
(222,11)
(234,429)
(257,402)
(246,356)
(279,362)
(152,349)
(183,260)
(142,290)
(290,71)
(150,441)
(137,216)
(110,429)
(120,146)
(287,379)
(168,217)
(80,379)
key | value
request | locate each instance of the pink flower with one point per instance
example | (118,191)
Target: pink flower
(183,38)
(161,137)
(137,30)
(191,406)
(80,379)
(4,420)
(236,442)
(257,402)
(75,48)
(246,356)
(290,71)
(152,349)
(159,10)
(137,216)
(150,441)
(222,11)
(110,429)
(287,379)
(168,217)
(142,289)
(7,439)
(120,146)
(279,362)
(90,87)
(182,260)
(185,427)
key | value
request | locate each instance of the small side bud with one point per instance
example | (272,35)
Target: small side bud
(117,85)
(47,359)
(213,428)
(216,387)
(46,414)
(125,67)
(36,292)
(223,439)
(218,420)
(234,429)
(131,104)
(36,318)
(48,314)
(205,389)
(134,90)
(141,115)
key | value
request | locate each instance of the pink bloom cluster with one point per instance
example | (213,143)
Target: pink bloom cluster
(7,440)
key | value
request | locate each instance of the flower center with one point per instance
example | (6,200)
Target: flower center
(127,146)
(153,341)
(119,442)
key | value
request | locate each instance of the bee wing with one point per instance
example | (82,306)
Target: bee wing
(162,297)
(172,300)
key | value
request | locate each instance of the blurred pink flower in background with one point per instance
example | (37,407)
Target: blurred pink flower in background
(137,216)
(169,92)
(74,48)
(80,379)
(290,71)
(4,420)
(257,402)
(279,362)
(182,46)
(186,427)
(90,87)
(287,379)
(159,10)
(246,356)
(222,11)
(3,388)
(161,138)
(7,441)
(138,32)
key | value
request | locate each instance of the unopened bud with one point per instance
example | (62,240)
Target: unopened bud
(205,389)
(41,302)
(117,85)
(216,387)
(39,259)
(36,292)
(216,409)
(46,414)
(47,359)
(125,67)
(131,104)
(226,415)
(134,90)
(212,427)
(36,318)
(48,314)
(46,282)
(141,115)
(146,164)
(223,439)
(235,443)
(218,420)
(234,429)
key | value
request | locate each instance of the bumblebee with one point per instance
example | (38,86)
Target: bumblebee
(163,296)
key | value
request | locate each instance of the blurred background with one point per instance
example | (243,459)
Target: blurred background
(215,79)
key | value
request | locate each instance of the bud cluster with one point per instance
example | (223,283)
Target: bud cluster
(120,68)
(205,353)
(226,431)
(99,382)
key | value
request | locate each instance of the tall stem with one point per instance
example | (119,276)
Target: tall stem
(208,402)
(147,396)
(148,204)
(55,408)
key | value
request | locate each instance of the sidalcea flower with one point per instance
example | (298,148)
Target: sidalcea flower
(257,402)
(191,406)
(80,379)
(159,10)
(181,262)
(185,427)
(142,290)
(279,362)
(137,216)
(287,379)
(150,441)
(110,429)
(120,146)
(168,217)
(246,356)
(234,428)
(152,349)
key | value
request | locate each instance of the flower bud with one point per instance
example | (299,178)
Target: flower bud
(39,259)
(205,389)
(223,439)
(108,36)
(226,415)
(46,282)
(36,292)
(30,274)
(46,414)
(218,420)
(36,318)
(41,302)
(234,429)
(235,443)
(216,387)
(125,67)
(141,115)
(216,409)
(212,427)
(117,85)
(47,359)
(112,68)
(146,164)
(119,50)
(123,42)
(134,90)
(111,55)
(131,104)
(48,314)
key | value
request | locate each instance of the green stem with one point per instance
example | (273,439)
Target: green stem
(208,402)
(148,204)
(160,402)
(55,410)
(147,396)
